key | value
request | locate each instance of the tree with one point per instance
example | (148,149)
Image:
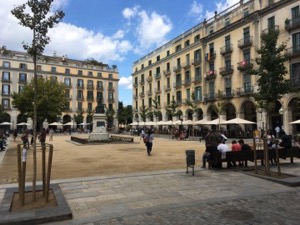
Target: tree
(110,114)
(124,114)
(190,103)
(172,108)
(4,116)
(272,81)
(144,112)
(34,15)
(51,100)
(219,109)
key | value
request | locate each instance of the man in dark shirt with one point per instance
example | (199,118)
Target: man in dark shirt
(244,147)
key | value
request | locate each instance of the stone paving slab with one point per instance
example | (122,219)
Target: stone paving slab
(209,197)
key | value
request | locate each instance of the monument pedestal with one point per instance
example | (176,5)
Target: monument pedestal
(99,129)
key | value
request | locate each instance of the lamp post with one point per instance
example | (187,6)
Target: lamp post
(281,115)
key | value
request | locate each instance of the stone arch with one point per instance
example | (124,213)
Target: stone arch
(229,111)
(189,114)
(159,116)
(211,114)
(294,113)
(199,114)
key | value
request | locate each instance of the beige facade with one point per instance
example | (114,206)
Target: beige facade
(209,61)
(85,82)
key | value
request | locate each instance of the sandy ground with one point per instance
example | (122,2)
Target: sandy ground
(71,160)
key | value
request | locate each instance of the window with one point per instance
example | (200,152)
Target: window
(142,66)
(158,85)
(99,75)
(168,82)
(228,86)
(5,103)
(178,62)
(53,69)
(80,83)
(178,79)
(39,68)
(187,43)
(197,56)
(188,94)
(178,97)
(5,89)
(168,99)
(157,58)
(187,59)
(197,38)
(227,62)
(67,93)
(21,88)
(168,52)
(110,76)
(296,42)
(246,12)
(247,56)
(90,95)
(99,84)
(149,63)
(6,76)
(227,43)
(198,74)
(150,73)
(158,100)
(211,88)
(227,21)
(99,95)
(149,102)
(22,77)
(246,34)
(168,67)
(187,77)
(90,73)
(90,106)
(295,74)
(110,86)
(80,72)
(271,22)
(211,30)
(53,78)
(110,96)
(67,71)
(157,71)
(296,13)
(198,93)
(79,94)
(178,48)
(23,66)
(6,64)
(90,84)
(247,83)
(68,82)
(79,106)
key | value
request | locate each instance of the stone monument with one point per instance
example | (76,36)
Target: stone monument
(99,120)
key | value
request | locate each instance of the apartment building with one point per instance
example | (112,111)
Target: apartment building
(209,61)
(85,81)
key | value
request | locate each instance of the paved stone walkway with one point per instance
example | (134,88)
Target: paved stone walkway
(173,197)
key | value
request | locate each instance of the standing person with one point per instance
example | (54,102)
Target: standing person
(148,140)
(277,130)
(15,134)
(142,135)
(25,139)
(2,140)
(42,138)
(51,131)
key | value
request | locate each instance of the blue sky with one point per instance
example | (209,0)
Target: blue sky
(116,32)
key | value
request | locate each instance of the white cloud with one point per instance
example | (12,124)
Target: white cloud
(66,39)
(126,82)
(130,12)
(59,4)
(152,29)
(196,9)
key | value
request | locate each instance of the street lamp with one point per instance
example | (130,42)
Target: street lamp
(281,114)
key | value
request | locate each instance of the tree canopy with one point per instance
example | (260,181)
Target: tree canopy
(272,81)
(51,100)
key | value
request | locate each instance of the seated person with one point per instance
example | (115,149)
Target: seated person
(223,148)
(244,147)
(272,152)
(235,147)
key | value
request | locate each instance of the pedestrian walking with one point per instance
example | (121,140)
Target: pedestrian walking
(51,131)
(148,140)
(42,138)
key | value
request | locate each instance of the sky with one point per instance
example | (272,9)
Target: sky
(115,32)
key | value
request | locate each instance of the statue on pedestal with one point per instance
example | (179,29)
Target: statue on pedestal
(100,108)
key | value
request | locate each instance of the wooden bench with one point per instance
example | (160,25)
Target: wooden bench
(249,156)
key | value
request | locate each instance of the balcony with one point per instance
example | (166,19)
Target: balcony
(292,24)
(177,84)
(211,56)
(80,98)
(167,88)
(5,80)
(90,98)
(186,65)
(90,87)
(197,80)
(111,89)
(245,65)
(167,72)
(149,93)
(68,86)
(80,86)
(187,82)
(69,97)
(226,49)
(245,42)
(157,90)
(210,97)
(294,51)
(135,96)
(196,61)
(149,78)
(110,100)
(210,75)
(100,88)
(142,82)
(226,94)
(177,68)
(5,94)
(227,70)
(142,94)
(157,76)
(249,90)
(22,81)
(275,28)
